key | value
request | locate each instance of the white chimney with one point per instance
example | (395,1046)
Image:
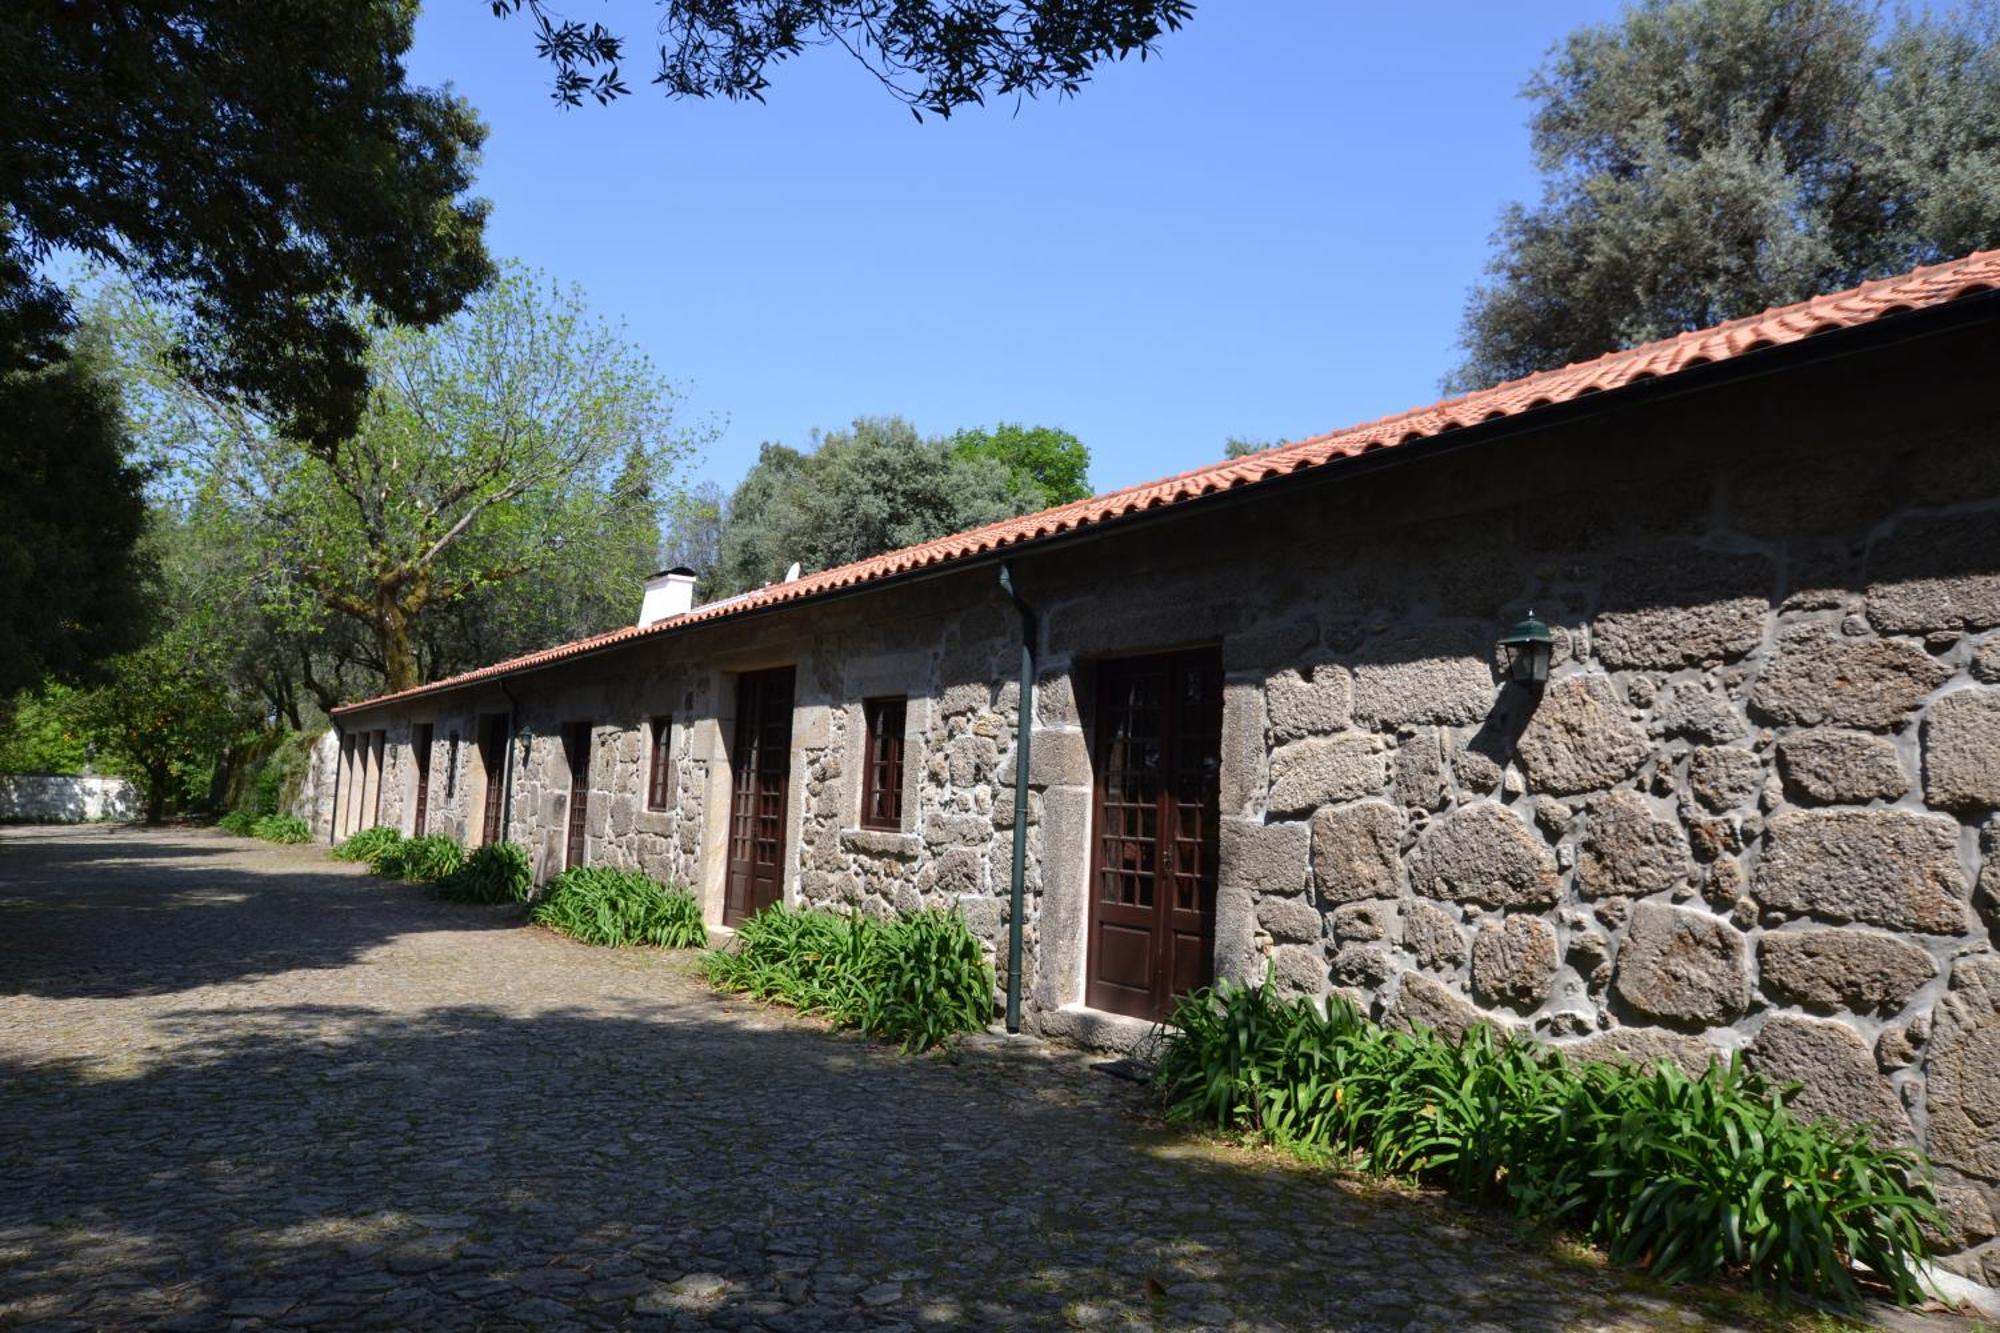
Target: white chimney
(669,593)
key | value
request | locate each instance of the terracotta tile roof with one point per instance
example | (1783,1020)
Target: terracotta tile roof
(1920,289)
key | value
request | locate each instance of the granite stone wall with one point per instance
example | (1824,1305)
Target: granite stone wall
(1751,821)
(1756,808)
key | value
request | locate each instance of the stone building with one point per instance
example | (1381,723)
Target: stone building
(1755,806)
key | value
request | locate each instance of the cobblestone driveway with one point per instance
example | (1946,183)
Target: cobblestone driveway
(245,1086)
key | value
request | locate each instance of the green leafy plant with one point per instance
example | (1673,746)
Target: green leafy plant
(497,872)
(811,960)
(1688,1176)
(239,822)
(927,981)
(282,828)
(599,905)
(918,979)
(368,844)
(425,859)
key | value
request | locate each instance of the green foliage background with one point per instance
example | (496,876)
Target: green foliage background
(880,485)
(1707,159)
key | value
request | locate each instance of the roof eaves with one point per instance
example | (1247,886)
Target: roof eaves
(1870,303)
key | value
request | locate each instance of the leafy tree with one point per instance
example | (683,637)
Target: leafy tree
(260,166)
(931,57)
(873,488)
(40,733)
(71,512)
(165,720)
(1037,458)
(1238,447)
(1706,159)
(520,440)
(693,534)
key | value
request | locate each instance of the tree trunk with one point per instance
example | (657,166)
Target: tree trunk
(392,635)
(157,778)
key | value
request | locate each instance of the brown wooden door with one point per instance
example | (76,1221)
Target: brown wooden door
(577,742)
(1152,923)
(761,769)
(420,750)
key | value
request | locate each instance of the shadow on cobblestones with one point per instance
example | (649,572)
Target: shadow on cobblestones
(184,913)
(469,1127)
(325,1164)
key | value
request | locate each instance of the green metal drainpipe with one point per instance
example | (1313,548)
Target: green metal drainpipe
(1024,738)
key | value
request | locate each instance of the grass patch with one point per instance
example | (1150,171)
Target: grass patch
(497,872)
(1690,1177)
(918,979)
(599,905)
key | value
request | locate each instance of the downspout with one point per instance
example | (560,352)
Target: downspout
(507,763)
(339,762)
(1024,738)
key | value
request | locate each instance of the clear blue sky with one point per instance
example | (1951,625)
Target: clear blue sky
(1267,232)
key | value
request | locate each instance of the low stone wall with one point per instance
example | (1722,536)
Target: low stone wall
(54,798)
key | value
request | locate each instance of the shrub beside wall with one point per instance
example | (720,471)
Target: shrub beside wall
(271,828)
(497,872)
(1690,1176)
(918,979)
(368,846)
(599,905)
(426,859)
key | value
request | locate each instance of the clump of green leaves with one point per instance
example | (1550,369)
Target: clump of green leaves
(288,829)
(425,859)
(368,845)
(1689,1176)
(1707,159)
(918,979)
(496,872)
(599,905)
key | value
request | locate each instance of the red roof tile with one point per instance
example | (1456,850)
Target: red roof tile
(1920,289)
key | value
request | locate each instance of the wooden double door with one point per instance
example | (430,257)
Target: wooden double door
(761,772)
(1153,854)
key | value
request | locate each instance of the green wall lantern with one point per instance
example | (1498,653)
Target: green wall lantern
(1529,647)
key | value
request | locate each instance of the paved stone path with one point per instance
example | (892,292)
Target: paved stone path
(244,1086)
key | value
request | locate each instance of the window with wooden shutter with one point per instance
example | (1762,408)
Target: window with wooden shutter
(882,764)
(660,772)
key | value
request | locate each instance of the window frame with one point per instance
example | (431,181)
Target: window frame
(883,762)
(662,774)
